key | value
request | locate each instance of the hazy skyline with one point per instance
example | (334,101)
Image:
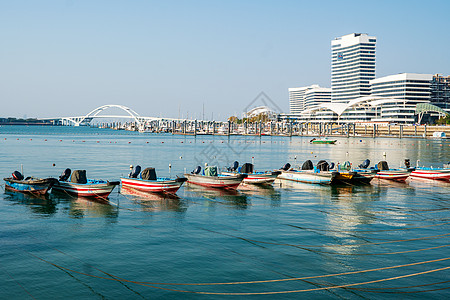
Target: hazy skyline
(65,58)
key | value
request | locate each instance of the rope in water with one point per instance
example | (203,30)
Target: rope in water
(242,282)
(329,246)
(265,293)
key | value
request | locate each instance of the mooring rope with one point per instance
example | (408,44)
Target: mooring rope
(328,246)
(117,278)
(257,293)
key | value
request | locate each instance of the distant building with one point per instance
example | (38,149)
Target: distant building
(440,92)
(408,89)
(316,96)
(352,66)
(297,98)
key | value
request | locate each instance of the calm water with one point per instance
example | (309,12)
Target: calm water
(290,241)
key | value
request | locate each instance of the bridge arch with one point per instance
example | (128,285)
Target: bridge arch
(94,113)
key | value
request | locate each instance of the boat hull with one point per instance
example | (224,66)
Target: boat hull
(308,177)
(221,182)
(35,186)
(437,174)
(393,175)
(153,186)
(93,189)
(259,178)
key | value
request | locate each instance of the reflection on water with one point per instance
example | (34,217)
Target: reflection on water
(262,191)
(151,202)
(82,207)
(224,196)
(40,205)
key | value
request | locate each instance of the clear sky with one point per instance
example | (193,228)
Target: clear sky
(172,58)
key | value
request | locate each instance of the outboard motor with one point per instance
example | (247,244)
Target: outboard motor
(17,175)
(286,167)
(307,165)
(383,165)
(197,170)
(65,175)
(332,166)
(407,163)
(322,165)
(365,164)
(247,168)
(234,167)
(135,172)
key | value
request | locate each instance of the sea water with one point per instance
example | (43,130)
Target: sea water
(292,240)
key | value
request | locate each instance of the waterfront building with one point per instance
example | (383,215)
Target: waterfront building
(408,89)
(440,92)
(316,96)
(352,66)
(297,98)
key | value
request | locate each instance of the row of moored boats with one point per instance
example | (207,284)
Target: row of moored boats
(77,184)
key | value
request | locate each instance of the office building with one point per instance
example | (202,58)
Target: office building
(352,66)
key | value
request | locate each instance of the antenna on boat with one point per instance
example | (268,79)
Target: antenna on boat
(384,155)
(21,168)
(252,160)
(170,168)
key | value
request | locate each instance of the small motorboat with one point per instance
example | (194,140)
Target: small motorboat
(80,186)
(384,172)
(211,178)
(29,185)
(432,173)
(322,141)
(308,174)
(253,177)
(148,182)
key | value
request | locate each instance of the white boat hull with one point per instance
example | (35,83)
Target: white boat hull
(224,182)
(307,176)
(153,186)
(92,189)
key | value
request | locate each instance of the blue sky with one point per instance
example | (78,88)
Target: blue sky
(171,58)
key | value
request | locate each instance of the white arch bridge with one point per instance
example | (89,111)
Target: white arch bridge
(95,114)
(140,123)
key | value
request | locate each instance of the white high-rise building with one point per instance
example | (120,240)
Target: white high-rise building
(408,89)
(352,66)
(297,98)
(316,96)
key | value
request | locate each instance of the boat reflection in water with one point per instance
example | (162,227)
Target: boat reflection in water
(222,196)
(40,205)
(86,207)
(154,201)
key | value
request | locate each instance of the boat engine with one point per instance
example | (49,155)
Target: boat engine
(17,175)
(322,165)
(197,170)
(135,172)
(234,167)
(65,175)
(365,164)
(286,167)
(307,165)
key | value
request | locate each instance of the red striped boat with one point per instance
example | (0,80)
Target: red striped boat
(396,175)
(432,173)
(160,185)
(97,189)
(220,181)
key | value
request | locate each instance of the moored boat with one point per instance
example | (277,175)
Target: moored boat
(432,173)
(308,176)
(212,179)
(150,183)
(396,175)
(80,186)
(29,185)
(322,141)
(253,177)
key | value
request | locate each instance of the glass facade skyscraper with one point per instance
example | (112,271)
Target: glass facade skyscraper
(352,66)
